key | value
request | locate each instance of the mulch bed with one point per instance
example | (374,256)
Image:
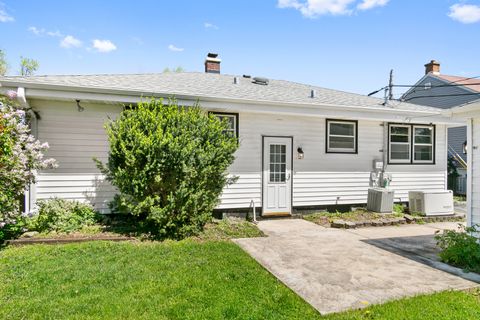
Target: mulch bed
(74,238)
(395,221)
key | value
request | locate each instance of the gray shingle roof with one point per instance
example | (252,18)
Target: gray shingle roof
(210,85)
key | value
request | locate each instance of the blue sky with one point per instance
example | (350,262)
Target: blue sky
(343,44)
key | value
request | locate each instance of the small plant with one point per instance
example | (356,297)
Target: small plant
(460,248)
(398,208)
(62,216)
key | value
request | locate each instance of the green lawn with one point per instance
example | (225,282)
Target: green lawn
(170,280)
(173,280)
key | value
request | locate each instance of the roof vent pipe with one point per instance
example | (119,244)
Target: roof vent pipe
(236,80)
(313,93)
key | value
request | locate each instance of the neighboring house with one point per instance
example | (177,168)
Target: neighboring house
(443,91)
(471,113)
(301,146)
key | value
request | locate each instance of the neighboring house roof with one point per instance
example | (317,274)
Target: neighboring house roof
(203,85)
(446,92)
(472,84)
(443,91)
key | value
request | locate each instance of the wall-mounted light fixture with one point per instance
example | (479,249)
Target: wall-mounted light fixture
(300,153)
(464,147)
(79,107)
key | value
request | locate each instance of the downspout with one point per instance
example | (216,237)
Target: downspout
(384,153)
(30,193)
(469,170)
(446,156)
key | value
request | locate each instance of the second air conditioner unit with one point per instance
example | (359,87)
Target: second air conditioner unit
(431,203)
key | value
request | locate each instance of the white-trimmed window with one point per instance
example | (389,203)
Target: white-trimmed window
(232,119)
(341,136)
(411,144)
(400,144)
(423,144)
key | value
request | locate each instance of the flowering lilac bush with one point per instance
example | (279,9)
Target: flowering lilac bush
(21,155)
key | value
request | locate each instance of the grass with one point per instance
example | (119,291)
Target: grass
(460,198)
(175,280)
(149,280)
(230,228)
(448,305)
(326,218)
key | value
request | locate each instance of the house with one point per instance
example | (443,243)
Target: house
(471,113)
(301,146)
(435,89)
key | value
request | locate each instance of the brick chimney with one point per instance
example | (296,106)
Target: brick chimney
(212,63)
(432,67)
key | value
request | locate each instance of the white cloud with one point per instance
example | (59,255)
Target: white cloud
(104,45)
(209,25)
(370,4)
(35,30)
(465,13)
(316,8)
(41,32)
(4,16)
(54,34)
(173,48)
(70,42)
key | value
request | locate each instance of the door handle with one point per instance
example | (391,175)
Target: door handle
(288,176)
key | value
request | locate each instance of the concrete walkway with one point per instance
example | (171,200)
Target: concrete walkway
(335,270)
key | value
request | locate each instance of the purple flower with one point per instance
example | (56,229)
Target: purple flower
(12,95)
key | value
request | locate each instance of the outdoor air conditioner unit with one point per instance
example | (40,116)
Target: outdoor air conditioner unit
(380,200)
(431,203)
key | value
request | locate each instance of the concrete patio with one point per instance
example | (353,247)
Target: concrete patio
(335,270)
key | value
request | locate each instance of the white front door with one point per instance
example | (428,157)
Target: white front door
(277,171)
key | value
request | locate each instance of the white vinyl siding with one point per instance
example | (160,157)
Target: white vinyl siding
(75,138)
(341,136)
(319,179)
(402,182)
(322,178)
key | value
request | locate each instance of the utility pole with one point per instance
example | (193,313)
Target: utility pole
(390,86)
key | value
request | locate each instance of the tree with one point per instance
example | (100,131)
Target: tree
(20,156)
(176,70)
(3,63)
(169,163)
(28,66)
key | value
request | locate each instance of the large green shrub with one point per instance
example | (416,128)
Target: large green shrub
(461,249)
(63,216)
(169,163)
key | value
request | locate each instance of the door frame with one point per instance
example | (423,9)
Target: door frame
(263,167)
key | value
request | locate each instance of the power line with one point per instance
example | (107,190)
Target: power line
(438,86)
(465,79)
(442,95)
(451,84)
